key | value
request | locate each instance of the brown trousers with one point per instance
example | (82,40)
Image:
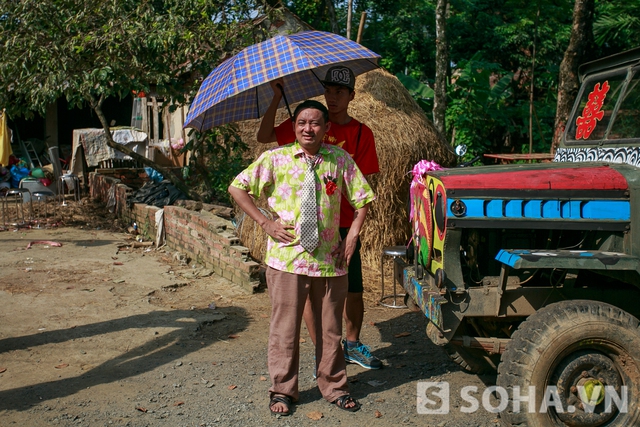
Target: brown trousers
(288,293)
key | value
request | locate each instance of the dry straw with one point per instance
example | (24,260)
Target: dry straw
(403,136)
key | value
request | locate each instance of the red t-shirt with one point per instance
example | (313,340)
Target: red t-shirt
(362,150)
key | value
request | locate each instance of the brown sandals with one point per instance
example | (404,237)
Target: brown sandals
(342,401)
(286,400)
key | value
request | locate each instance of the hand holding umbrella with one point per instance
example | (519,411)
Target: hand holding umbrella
(278,92)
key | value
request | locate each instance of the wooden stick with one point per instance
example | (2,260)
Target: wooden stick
(135,244)
(349,7)
(363,18)
(141,244)
(156,125)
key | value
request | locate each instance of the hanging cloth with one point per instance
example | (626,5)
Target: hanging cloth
(5,140)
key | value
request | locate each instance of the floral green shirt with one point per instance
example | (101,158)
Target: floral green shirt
(279,174)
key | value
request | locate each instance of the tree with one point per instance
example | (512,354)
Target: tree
(568,83)
(88,51)
(320,14)
(333,20)
(442,67)
(405,33)
(517,39)
(510,33)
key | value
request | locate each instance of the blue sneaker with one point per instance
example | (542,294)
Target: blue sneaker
(361,355)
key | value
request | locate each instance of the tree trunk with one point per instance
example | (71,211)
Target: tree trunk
(579,44)
(442,61)
(175,180)
(331,10)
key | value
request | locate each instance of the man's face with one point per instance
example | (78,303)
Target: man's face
(337,98)
(310,128)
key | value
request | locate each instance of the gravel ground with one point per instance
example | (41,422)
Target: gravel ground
(93,335)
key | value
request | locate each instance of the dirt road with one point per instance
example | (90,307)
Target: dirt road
(93,335)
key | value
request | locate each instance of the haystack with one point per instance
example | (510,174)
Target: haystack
(403,136)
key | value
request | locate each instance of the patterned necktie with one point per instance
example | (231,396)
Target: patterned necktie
(308,211)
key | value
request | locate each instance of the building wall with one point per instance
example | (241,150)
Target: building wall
(206,238)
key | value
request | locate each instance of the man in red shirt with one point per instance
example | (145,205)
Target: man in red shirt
(357,139)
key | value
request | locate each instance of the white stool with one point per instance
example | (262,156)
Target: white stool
(72,182)
(394,252)
(42,199)
(14,200)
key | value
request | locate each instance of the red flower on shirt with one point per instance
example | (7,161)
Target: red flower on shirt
(330,185)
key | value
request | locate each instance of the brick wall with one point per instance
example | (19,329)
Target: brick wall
(103,187)
(206,238)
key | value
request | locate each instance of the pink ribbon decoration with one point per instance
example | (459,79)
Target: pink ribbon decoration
(419,170)
(424,166)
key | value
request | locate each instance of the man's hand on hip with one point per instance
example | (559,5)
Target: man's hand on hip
(279,231)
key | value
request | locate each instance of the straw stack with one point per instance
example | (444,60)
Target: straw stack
(403,136)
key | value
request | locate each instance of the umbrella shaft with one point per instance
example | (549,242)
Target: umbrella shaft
(285,100)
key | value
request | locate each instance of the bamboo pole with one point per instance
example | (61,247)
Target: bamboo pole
(363,18)
(156,125)
(349,7)
(184,135)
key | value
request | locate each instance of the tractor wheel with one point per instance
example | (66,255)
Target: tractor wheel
(568,354)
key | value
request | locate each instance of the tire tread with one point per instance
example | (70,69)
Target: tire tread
(513,369)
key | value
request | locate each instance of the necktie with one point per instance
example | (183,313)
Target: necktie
(308,211)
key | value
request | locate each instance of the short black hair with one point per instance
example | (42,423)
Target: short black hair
(310,103)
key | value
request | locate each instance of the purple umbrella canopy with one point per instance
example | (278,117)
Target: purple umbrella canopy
(238,89)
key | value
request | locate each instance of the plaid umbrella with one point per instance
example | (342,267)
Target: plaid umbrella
(239,88)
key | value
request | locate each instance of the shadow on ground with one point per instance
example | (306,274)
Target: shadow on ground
(146,357)
(411,357)
(21,244)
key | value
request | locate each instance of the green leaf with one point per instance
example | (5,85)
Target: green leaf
(501,88)
(415,87)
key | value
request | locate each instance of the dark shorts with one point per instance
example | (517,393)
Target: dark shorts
(355,266)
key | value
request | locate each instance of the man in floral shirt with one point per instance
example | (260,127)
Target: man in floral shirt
(293,272)
(357,139)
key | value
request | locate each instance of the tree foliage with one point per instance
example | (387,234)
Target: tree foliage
(217,157)
(513,47)
(478,113)
(320,14)
(501,35)
(404,34)
(617,24)
(88,51)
